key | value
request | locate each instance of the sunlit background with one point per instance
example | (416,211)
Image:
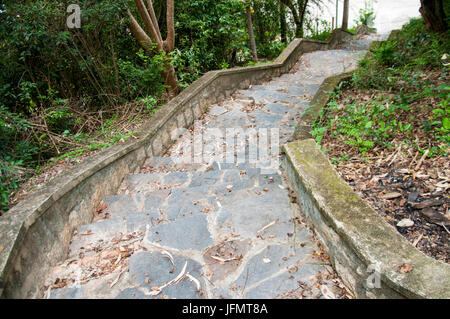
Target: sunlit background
(390,14)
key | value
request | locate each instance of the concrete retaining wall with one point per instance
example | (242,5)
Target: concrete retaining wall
(364,249)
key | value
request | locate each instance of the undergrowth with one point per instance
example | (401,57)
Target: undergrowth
(399,94)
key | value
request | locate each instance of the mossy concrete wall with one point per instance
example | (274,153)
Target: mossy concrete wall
(361,244)
(35,234)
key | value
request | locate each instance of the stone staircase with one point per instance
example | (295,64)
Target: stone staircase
(210,230)
(230,225)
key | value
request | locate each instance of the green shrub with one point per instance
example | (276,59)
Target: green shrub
(409,105)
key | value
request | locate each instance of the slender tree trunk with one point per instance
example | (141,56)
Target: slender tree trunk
(251,33)
(283,26)
(303,5)
(261,26)
(298,14)
(150,38)
(298,26)
(433,14)
(345,15)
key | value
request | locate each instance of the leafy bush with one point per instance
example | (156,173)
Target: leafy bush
(398,62)
(407,105)
(366,15)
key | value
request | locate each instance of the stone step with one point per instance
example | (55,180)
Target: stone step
(130,213)
(202,189)
(214,174)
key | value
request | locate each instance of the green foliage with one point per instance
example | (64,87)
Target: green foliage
(363,125)
(398,63)
(209,33)
(366,15)
(318,29)
(397,66)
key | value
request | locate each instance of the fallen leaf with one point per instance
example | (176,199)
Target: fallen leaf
(209,273)
(293,270)
(391,195)
(267,226)
(427,203)
(326,292)
(101,207)
(405,268)
(194,280)
(406,222)
(435,217)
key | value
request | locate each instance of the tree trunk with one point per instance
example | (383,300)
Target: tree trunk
(261,26)
(433,14)
(283,26)
(151,37)
(303,7)
(345,15)
(251,33)
(298,15)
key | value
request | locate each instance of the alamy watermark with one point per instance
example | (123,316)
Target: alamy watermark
(259,147)
(73,21)
(374,276)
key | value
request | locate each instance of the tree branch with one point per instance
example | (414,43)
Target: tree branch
(149,23)
(154,19)
(170,41)
(140,35)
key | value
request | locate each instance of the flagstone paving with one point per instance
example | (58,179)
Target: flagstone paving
(211,229)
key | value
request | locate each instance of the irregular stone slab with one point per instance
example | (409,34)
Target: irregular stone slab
(186,233)
(265,120)
(132,293)
(185,289)
(278,286)
(92,234)
(67,293)
(224,258)
(154,269)
(276,270)
(139,221)
(205,178)
(123,205)
(217,110)
(188,201)
(119,205)
(277,108)
(175,178)
(248,215)
(139,183)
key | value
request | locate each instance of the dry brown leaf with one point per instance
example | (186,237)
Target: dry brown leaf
(391,195)
(293,270)
(405,268)
(101,207)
